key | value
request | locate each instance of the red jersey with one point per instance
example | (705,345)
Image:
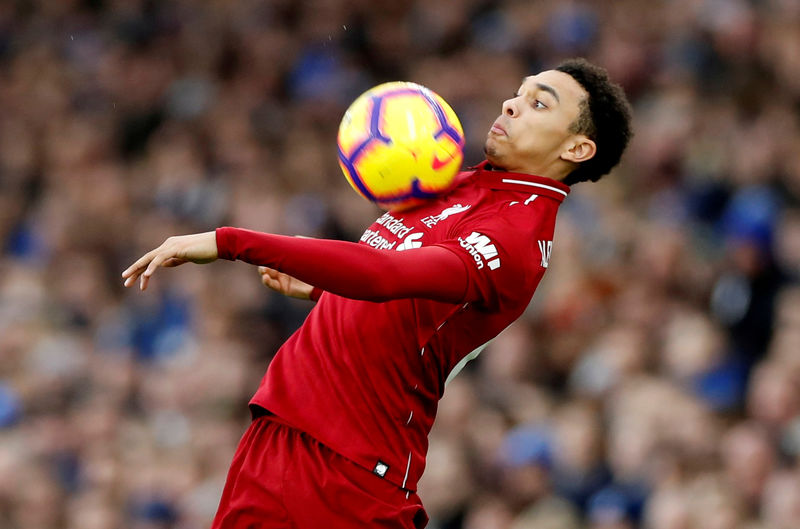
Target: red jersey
(365,378)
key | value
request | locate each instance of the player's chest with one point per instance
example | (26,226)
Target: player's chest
(406,230)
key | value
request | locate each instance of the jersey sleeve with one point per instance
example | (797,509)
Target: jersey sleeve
(500,256)
(349,269)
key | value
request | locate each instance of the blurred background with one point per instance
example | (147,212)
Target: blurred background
(654,381)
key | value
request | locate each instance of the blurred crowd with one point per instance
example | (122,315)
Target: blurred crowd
(653,383)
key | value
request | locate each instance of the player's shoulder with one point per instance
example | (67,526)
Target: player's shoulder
(497,188)
(513,227)
(520,209)
(486,198)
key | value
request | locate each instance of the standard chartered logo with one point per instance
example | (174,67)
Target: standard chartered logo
(394,225)
(376,240)
(481,249)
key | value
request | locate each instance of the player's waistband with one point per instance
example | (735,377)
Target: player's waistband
(260,413)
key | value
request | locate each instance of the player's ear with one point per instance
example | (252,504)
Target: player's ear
(579,149)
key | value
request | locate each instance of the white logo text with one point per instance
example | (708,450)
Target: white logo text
(376,240)
(546,248)
(481,249)
(411,242)
(394,225)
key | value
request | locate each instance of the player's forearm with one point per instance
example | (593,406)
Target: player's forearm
(351,270)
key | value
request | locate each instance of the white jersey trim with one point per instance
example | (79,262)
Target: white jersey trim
(533,184)
(408,467)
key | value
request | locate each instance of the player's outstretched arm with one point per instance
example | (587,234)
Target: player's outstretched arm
(198,248)
(353,270)
(344,268)
(284,283)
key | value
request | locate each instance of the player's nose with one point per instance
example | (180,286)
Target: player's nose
(510,107)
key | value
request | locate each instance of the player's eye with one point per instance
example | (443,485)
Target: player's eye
(538,105)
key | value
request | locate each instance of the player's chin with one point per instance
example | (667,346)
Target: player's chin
(492,153)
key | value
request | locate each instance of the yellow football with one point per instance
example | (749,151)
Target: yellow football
(400,144)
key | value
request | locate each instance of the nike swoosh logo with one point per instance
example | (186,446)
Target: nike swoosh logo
(438,164)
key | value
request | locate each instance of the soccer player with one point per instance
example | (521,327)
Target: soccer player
(341,418)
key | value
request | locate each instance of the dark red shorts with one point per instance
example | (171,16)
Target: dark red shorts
(283,478)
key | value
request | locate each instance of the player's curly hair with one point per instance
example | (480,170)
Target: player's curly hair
(605,117)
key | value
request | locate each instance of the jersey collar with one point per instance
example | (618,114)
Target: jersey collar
(524,183)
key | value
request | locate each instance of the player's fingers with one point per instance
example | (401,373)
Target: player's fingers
(135,268)
(271,283)
(138,266)
(133,272)
(276,281)
(267,272)
(157,261)
(144,280)
(131,280)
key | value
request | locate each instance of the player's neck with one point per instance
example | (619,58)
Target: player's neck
(557,174)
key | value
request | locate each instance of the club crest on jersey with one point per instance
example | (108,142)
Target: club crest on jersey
(546,248)
(481,249)
(432,220)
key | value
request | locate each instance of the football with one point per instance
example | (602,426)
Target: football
(400,144)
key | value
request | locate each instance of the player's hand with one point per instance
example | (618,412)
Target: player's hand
(284,283)
(198,248)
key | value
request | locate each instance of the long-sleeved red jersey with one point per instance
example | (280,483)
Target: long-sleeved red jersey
(422,293)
